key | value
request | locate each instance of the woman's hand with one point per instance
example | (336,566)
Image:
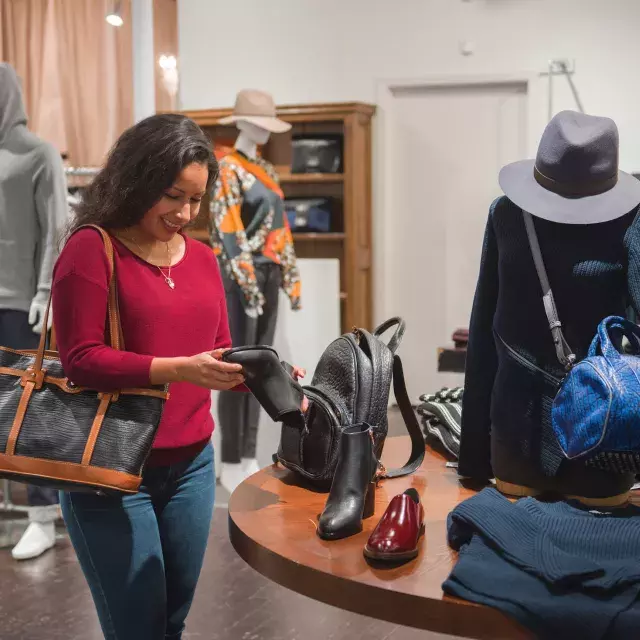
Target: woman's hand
(209,370)
(296,374)
(204,369)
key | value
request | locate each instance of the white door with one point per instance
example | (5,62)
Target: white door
(444,148)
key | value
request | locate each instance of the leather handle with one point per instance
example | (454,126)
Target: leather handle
(396,338)
(113,312)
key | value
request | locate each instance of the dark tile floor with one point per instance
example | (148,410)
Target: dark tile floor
(47,598)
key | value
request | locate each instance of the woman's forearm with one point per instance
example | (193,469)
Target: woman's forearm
(167,370)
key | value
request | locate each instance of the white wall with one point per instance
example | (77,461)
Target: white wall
(335,50)
(343,50)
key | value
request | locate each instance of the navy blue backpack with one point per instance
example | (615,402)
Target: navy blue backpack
(596,412)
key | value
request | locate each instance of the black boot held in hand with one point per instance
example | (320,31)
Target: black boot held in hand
(269,381)
(352,495)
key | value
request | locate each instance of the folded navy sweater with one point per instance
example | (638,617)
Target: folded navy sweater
(560,569)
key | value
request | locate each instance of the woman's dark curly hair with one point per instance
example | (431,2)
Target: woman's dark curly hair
(141,166)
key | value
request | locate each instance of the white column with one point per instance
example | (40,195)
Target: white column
(144,90)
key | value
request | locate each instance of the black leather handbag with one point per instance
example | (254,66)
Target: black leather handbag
(351,385)
(57,434)
(316,153)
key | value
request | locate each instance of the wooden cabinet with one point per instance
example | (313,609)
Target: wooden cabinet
(350,191)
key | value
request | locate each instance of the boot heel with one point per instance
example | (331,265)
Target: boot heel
(370,501)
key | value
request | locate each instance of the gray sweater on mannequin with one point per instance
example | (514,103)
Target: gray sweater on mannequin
(33,207)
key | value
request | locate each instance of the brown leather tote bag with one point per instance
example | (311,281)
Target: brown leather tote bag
(57,434)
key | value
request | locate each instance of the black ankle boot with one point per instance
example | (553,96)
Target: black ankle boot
(352,495)
(269,381)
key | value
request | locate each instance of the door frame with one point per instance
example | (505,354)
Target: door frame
(385,133)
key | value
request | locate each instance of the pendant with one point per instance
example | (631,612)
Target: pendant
(170,282)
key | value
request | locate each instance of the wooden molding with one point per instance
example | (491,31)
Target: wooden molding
(292,113)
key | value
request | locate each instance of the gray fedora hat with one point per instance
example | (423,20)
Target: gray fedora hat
(575,177)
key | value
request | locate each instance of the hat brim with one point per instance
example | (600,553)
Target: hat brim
(274,125)
(519,185)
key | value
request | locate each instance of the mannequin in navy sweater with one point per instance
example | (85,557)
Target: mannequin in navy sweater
(585,213)
(594,272)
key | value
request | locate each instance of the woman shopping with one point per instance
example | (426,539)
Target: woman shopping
(142,554)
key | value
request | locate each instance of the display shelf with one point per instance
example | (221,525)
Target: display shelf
(311,178)
(319,237)
(451,360)
(350,192)
(199,234)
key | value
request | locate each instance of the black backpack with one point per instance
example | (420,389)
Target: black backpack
(351,385)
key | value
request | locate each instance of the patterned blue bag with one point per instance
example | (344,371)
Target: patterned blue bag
(596,412)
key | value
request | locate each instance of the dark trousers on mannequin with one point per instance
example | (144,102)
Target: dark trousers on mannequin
(16,333)
(239,413)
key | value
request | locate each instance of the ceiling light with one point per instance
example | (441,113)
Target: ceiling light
(167,62)
(114,17)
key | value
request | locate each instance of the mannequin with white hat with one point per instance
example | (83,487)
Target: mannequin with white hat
(585,213)
(251,237)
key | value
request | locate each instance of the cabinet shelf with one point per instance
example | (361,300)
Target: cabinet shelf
(311,178)
(319,237)
(349,191)
(199,234)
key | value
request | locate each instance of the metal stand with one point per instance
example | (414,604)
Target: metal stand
(7,504)
(562,68)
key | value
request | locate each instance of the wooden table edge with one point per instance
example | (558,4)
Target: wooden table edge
(448,616)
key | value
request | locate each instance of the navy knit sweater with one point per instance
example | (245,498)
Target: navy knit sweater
(594,272)
(560,569)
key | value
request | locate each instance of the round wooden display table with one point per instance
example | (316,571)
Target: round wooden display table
(272,525)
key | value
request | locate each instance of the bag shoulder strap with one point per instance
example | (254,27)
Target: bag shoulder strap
(116,338)
(565,355)
(411,422)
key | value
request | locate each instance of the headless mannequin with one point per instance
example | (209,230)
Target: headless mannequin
(33,211)
(250,136)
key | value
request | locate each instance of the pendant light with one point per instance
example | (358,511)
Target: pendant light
(114,17)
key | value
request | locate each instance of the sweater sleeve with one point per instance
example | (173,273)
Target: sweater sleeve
(50,193)
(481,366)
(80,293)
(632,244)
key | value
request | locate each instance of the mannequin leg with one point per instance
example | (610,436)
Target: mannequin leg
(40,535)
(233,407)
(269,279)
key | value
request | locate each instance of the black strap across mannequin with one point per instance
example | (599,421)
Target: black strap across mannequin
(565,355)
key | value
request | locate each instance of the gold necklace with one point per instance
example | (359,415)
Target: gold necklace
(167,276)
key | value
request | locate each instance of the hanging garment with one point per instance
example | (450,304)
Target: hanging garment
(560,569)
(239,413)
(248,225)
(33,209)
(512,372)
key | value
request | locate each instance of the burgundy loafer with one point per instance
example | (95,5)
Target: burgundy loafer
(396,536)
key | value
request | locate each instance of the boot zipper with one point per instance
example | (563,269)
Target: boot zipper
(381,470)
(529,365)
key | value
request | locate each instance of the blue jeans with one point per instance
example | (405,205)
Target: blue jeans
(142,554)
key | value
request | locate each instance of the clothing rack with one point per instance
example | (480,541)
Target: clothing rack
(80,176)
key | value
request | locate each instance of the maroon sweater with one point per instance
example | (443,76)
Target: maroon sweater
(156,322)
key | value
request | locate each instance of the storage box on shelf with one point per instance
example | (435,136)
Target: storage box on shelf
(350,192)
